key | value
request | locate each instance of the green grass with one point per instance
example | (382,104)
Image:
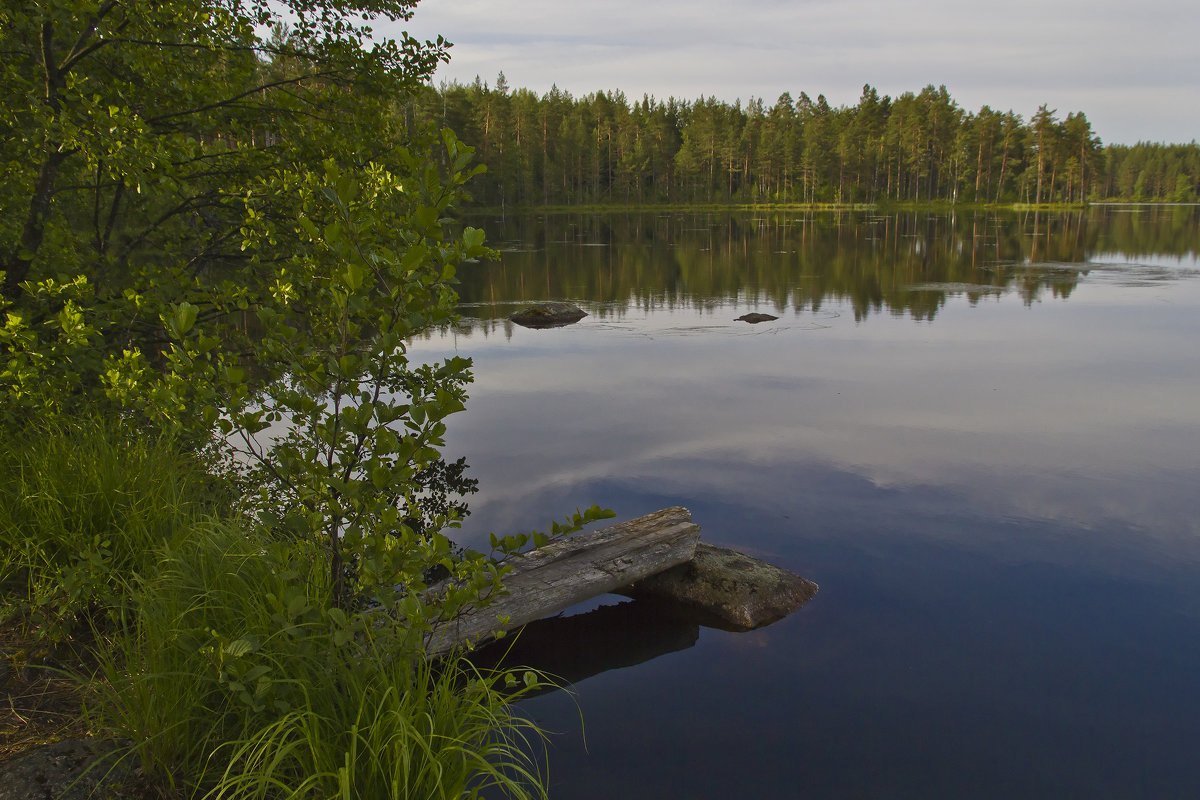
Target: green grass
(84,509)
(220,657)
(399,733)
(238,681)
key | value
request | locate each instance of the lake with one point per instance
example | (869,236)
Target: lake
(978,432)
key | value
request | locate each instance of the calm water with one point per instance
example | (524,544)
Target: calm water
(979,434)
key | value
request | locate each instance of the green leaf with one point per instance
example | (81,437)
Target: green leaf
(183,317)
(353,275)
(381,476)
(473,239)
(238,647)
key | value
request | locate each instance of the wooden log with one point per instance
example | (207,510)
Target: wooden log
(563,573)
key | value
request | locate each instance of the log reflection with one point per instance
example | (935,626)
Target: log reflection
(572,649)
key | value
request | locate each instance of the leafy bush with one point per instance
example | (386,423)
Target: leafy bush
(220,242)
(205,260)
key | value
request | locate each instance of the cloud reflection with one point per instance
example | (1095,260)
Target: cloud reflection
(1079,412)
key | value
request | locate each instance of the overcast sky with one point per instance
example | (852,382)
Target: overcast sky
(1132,66)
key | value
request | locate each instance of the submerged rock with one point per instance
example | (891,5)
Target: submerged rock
(755,318)
(740,591)
(548,315)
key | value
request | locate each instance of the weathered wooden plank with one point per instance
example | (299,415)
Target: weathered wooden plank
(563,573)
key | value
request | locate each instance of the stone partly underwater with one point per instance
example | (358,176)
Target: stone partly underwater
(548,315)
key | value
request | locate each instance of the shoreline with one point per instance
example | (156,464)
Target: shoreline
(617,208)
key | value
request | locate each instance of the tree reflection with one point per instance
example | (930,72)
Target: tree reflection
(904,262)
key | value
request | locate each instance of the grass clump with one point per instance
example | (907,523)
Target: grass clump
(240,678)
(216,650)
(84,509)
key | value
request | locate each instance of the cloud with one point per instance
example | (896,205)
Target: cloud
(1133,70)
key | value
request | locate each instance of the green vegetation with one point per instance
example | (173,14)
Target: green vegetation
(222,655)
(220,468)
(239,677)
(223,484)
(1148,171)
(604,149)
(84,506)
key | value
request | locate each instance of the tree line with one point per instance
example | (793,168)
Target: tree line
(555,149)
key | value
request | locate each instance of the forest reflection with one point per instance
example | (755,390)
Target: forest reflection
(904,263)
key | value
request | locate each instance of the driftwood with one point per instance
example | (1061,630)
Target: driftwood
(563,573)
(718,588)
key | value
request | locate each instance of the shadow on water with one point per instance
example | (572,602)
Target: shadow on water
(572,648)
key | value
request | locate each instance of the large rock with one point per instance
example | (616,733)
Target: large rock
(733,588)
(548,315)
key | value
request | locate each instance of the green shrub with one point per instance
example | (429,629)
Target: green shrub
(247,284)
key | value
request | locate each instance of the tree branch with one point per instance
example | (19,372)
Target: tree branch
(81,49)
(231,100)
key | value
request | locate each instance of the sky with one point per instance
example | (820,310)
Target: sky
(1132,67)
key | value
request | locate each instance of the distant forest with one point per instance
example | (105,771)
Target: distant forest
(555,149)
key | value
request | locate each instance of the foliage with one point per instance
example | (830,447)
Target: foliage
(219,241)
(84,508)
(209,233)
(361,423)
(139,137)
(1148,171)
(557,150)
(225,661)
(515,542)
(134,128)
(242,679)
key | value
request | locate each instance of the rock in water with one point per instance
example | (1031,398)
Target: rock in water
(548,315)
(740,591)
(755,318)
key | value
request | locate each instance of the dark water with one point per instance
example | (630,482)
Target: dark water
(980,434)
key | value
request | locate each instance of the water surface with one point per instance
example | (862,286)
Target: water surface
(977,432)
